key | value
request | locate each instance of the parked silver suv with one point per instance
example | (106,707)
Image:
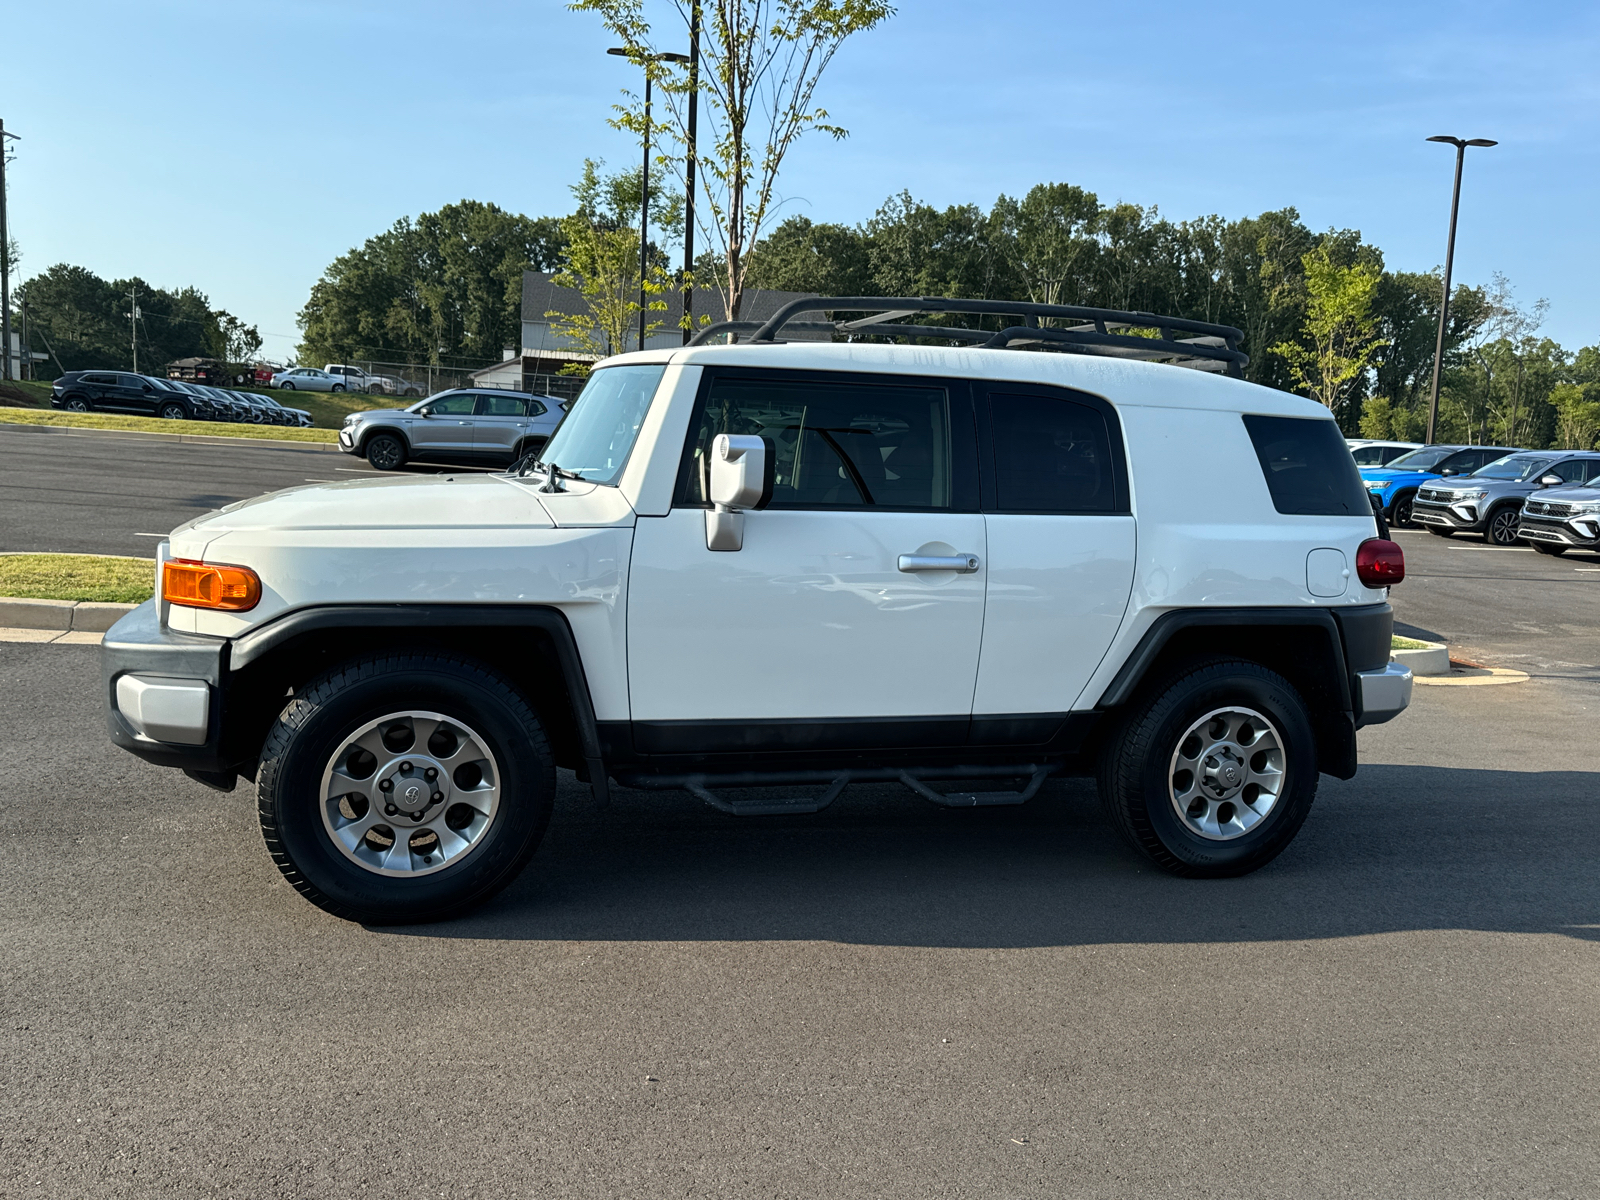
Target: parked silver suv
(459,425)
(1489,501)
(1563,519)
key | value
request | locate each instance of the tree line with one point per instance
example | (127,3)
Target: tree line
(79,320)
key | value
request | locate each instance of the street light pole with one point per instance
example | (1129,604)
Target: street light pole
(1449,261)
(644,178)
(688,173)
(5,262)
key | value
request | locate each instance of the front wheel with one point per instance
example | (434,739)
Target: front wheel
(1554,549)
(173,411)
(385,452)
(1441,531)
(338,387)
(1402,511)
(1213,775)
(405,788)
(1502,527)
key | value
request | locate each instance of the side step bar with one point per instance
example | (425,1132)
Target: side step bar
(701,787)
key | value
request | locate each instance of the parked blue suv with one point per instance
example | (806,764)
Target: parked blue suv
(1395,486)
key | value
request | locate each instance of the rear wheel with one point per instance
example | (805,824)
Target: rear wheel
(405,788)
(385,452)
(1213,775)
(76,405)
(173,411)
(1441,531)
(1554,549)
(286,386)
(1502,527)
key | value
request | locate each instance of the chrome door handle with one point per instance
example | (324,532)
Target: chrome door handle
(965,564)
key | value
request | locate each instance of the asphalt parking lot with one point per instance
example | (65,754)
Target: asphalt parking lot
(884,999)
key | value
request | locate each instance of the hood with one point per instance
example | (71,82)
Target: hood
(407,502)
(383,414)
(1388,474)
(1572,493)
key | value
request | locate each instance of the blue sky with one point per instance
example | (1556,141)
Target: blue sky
(240,147)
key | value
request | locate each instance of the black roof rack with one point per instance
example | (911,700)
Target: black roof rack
(1095,330)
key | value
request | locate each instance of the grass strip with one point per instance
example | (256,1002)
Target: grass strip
(275,433)
(77,577)
(1404,643)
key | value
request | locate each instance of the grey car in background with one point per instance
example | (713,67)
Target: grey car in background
(461,425)
(1489,501)
(1563,518)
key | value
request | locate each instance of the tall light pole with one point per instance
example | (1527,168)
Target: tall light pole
(5,262)
(644,186)
(1449,261)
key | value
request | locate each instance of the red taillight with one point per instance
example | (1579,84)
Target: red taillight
(1380,563)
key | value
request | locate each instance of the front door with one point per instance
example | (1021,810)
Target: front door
(824,631)
(448,428)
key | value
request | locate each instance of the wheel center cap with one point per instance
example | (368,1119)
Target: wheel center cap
(1224,771)
(413,789)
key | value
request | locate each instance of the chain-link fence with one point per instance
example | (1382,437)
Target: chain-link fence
(411,381)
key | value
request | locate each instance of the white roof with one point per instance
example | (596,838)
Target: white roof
(1119,380)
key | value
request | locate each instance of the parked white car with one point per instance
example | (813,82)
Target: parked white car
(801,563)
(309,379)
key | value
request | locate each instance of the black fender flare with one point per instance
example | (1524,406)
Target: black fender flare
(368,434)
(263,641)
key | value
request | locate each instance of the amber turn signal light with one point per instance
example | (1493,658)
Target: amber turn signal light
(203,585)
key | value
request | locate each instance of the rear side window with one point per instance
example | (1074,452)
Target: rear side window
(1050,455)
(1308,467)
(501,406)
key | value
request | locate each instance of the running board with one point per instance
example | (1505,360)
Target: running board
(700,787)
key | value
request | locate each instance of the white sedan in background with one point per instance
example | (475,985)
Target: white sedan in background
(309,379)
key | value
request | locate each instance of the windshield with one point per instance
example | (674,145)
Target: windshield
(1519,467)
(595,439)
(1421,460)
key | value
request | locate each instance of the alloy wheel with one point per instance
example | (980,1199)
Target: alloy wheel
(1226,773)
(410,794)
(1503,527)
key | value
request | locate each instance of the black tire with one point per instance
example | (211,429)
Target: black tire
(1501,527)
(1441,531)
(338,387)
(385,452)
(1400,510)
(1136,785)
(1554,549)
(76,405)
(286,386)
(312,728)
(173,411)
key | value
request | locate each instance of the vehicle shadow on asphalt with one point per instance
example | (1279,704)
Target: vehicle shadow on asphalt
(1398,848)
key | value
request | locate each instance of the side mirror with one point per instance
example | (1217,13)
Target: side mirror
(741,478)
(1447,471)
(424,411)
(1550,480)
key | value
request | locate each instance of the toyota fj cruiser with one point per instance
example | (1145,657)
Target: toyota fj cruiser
(906,555)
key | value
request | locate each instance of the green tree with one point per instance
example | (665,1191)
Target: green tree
(1577,408)
(1049,240)
(760,63)
(1340,329)
(447,285)
(799,256)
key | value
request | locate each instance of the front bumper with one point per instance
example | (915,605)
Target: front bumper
(1382,695)
(164,691)
(347,441)
(1570,532)
(1429,512)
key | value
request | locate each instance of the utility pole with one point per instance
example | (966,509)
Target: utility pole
(5,262)
(644,219)
(1449,261)
(133,323)
(688,173)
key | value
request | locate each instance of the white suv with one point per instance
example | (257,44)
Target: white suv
(748,565)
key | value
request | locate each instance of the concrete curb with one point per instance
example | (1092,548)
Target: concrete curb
(196,439)
(1433,659)
(76,616)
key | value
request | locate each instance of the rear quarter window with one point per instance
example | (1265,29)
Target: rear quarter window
(1307,466)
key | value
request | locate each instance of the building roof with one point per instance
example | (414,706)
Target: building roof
(540,296)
